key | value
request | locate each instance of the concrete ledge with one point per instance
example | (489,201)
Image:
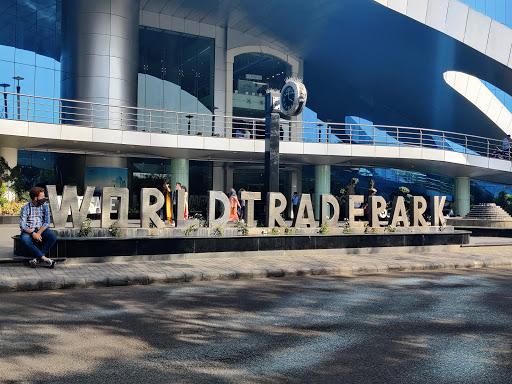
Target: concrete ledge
(5,219)
(486,231)
(480,223)
(116,248)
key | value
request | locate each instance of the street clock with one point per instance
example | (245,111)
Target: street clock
(293,98)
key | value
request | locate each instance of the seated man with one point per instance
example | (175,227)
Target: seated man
(34,222)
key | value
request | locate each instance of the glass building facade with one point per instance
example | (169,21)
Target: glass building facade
(30,47)
(176,72)
(253,74)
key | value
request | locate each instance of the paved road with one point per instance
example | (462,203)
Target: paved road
(424,327)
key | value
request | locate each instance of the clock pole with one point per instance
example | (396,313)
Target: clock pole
(290,101)
(272,143)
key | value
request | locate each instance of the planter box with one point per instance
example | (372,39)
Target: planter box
(105,247)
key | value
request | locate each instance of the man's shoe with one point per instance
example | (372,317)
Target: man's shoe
(33,263)
(50,263)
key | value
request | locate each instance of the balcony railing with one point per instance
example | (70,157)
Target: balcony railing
(60,111)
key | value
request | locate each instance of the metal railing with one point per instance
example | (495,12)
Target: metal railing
(97,115)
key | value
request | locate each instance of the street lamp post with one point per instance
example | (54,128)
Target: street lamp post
(4,85)
(18,89)
(328,130)
(319,132)
(213,120)
(189,117)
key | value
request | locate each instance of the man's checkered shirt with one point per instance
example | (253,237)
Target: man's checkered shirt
(34,217)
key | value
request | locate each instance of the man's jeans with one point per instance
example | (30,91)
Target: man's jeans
(48,238)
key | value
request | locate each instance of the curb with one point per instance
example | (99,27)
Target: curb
(174,277)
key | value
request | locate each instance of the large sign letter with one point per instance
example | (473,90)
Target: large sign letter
(325,201)
(418,207)
(148,211)
(353,211)
(398,212)
(221,197)
(69,202)
(276,206)
(180,208)
(305,212)
(249,198)
(376,205)
(436,210)
(106,196)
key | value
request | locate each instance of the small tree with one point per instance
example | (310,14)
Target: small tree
(401,191)
(504,200)
(3,199)
(5,170)
(14,178)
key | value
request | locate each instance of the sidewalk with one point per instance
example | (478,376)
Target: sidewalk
(22,278)
(482,252)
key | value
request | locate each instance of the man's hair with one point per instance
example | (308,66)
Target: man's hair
(34,192)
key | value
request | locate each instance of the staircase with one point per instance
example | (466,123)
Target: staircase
(488,211)
(485,215)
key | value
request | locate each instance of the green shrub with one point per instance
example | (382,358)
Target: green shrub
(218,231)
(85,230)
(12,208)
(324,229)
(243,229)
(190,229)
(3,190)
(504,200)
(201,219)
(275,231)
(114,230)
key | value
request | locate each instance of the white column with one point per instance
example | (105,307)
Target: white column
(295,185)
(228,177)
(10,155)
(322,185)
(462,196)
(218,182)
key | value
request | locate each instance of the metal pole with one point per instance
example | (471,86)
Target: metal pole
(5,86)
(18,90)
(189,117)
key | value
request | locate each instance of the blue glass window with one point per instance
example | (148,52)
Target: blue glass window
(176,71)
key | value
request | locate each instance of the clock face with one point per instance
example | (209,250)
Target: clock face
(293,98)
(287,98)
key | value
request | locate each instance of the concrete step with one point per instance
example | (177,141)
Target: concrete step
(488,211)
